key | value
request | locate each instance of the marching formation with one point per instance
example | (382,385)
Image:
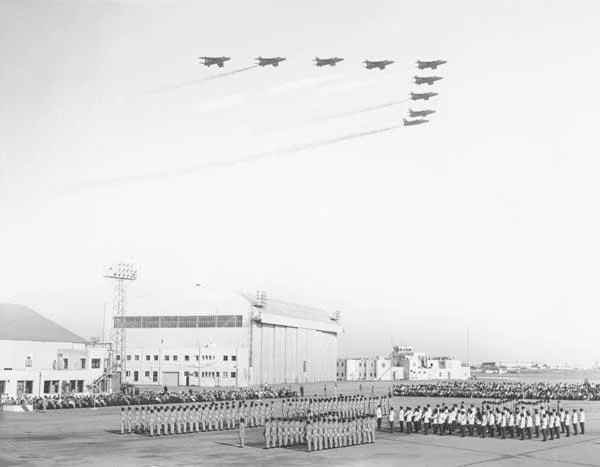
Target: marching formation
(320,432)
(191,418)
(325,422)
(501,422)
(348,420)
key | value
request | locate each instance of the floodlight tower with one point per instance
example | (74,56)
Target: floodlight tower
(120,274)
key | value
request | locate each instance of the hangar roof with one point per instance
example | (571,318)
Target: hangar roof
(20,323)
(210,301)
(290,314)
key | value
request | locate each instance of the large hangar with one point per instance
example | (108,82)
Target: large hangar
(206,338)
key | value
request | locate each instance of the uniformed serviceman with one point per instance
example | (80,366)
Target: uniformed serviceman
(309,435)
(242,432)
(267,433)
(545,427)
(123,420)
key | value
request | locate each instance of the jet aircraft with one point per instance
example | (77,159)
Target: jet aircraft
(432,64)
(414,122)
(381,64)
(327,61)
(274,61)
(419,113)
(426,79)
(219,61)
(415,96)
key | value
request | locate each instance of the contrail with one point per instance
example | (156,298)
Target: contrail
(363,110)
(232,162)
(201,80)
(336,116)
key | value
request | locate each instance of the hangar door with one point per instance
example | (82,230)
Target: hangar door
(170,378)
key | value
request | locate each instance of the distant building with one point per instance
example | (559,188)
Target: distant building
(355,369)
(367,369)
(420,366)
(39,357)
(219,338)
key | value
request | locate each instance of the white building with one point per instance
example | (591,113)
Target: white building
(218,338)
(355,369)
(37,356)
(420,366)
(368,369)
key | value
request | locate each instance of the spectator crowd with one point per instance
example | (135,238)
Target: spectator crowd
(502,390)
(135,397)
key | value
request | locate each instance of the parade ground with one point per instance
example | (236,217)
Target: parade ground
(90,437)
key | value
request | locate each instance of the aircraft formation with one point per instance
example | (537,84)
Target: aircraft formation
(275,61)
(414,117)
(417,115)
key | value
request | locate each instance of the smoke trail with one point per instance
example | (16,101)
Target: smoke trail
(326,118)
(201,80)
(363,110)
(233,162)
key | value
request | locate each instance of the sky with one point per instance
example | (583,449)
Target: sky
(116,144)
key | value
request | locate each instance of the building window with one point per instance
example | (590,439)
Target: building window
(135,375)
(196,374)
(66,363)
(128,373)
(233,358)
(24,387)
(50,387)
(155,376)
(147,358)
(156,358)
(225,358)
(83,363)
(197,357)
(137,358)
(186,358)
(224,374)
(174,358)
(166,358)
(95,363)
(193,321)
(233,374)
(147,374)
(128,358)
(118,357)
(79,385)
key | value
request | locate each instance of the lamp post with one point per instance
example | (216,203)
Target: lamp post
(120,274)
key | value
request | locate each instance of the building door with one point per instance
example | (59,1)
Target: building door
(187,379)
(20,388)
(170,378)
